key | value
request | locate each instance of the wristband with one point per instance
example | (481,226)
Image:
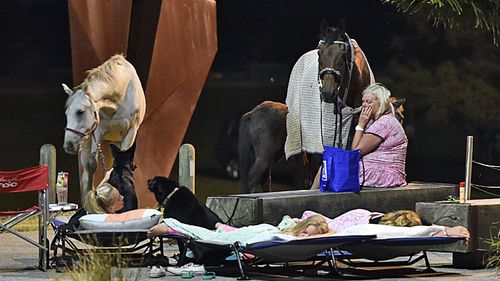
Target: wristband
(358,128)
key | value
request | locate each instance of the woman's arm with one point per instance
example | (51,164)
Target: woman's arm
(366,143)
(455,231)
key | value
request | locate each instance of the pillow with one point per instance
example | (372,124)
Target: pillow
(135,219)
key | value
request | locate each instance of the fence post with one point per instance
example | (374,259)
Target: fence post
(468,166)
(48,156)
(187,166)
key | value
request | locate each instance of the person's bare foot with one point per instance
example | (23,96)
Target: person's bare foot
(157,230)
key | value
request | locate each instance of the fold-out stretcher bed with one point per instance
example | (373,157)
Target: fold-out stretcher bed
(346,249)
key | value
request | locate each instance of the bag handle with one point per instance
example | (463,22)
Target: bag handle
(363,164)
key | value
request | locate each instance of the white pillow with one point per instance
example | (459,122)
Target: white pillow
(135,219)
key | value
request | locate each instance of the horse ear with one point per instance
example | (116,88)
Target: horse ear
(323,28)
(342,26)
(67,89)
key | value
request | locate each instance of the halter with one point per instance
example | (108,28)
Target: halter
(92,129)
(337,75)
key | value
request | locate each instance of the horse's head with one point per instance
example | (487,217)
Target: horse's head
(81,118)
(398,108)
(334,53)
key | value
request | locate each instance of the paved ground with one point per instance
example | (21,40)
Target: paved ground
(18,261)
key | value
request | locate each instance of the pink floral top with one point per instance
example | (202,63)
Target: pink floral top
(385,166)
(347,219)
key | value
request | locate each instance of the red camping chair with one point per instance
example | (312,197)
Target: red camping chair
(29,180)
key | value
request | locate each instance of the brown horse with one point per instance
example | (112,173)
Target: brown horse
(261,137)
(342,72)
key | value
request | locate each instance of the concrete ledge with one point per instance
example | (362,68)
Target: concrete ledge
(476,215)
(246,209)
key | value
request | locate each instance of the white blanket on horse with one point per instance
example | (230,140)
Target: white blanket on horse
(306,111)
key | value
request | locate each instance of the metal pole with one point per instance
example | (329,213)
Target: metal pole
(468,166)
(47,156)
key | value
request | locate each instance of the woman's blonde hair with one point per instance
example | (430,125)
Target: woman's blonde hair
(401,218)
(99,200)
(381,94)
(317,220)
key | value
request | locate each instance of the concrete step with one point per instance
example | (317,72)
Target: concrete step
(270,207)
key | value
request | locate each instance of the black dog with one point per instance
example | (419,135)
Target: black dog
(121,176)
(181,204)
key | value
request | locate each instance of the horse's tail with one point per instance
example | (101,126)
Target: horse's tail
(246,157)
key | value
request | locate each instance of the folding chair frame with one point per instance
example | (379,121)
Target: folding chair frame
(42,212)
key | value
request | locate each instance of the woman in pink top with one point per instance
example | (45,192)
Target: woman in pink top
(347,219)
(381,139)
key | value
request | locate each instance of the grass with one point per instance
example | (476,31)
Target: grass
(30,224)
(493,258)
(98,267)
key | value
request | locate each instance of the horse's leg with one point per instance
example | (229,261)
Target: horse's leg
(266,180)
(313,163)
(255,175)
(246,155)
(298,168)
(83,156)
(88,164)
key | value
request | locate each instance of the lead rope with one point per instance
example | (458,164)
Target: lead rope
(101,155)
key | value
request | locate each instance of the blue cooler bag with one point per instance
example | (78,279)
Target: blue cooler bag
(340,170)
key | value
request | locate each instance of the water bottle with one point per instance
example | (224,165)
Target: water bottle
(461,192)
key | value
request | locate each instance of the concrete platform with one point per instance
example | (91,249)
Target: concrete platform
(247,209)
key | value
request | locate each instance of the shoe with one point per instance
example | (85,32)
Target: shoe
(189,267)
(172,261)
(157,271)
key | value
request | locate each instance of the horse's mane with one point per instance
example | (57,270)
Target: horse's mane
(104,72)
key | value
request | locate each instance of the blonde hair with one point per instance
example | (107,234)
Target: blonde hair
(317,220)
(99,200)
(381,94)
(401,218)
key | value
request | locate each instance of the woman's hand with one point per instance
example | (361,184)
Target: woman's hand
(457,231)
(364,118)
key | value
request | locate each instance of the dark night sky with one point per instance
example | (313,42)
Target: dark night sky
(34,34)
(281,30)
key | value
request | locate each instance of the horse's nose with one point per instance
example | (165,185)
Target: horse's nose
(69,147)
(328,97)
